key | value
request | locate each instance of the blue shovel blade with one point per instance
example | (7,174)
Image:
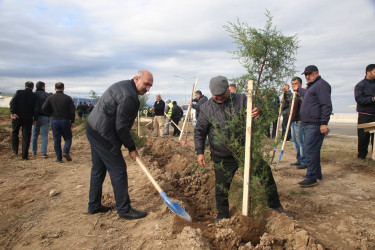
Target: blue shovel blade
(278,160)
(175,207)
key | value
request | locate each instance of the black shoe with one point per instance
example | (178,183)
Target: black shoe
(295,163)
(302,166)
(281,210)
(59,161)
(15,153)
(25,159)
(67,157)
(308,183)
(101,209)
(133,214)
(304,176)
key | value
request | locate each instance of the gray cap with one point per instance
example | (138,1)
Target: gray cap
(218,85)
(158,94)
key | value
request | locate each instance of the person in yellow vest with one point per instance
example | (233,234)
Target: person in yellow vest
(168,111)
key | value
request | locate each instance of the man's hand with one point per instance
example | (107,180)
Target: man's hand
(191,102)
(71,125)
(201,160)
(14,116)
(255,113)
(324,129)
(133,154)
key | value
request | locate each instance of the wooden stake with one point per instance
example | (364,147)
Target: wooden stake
(249,121)
(277,127)
(188,112)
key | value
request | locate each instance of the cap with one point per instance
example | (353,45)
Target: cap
(169,100)
(218,85)
(158,95)
(309,69)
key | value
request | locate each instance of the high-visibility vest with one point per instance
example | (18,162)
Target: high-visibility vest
(170,109)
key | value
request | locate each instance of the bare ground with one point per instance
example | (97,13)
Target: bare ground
(336,214)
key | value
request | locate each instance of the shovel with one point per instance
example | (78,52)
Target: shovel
(287,130)
(174,206)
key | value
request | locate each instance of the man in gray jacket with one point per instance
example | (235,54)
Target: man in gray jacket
(108,128)
(214,114)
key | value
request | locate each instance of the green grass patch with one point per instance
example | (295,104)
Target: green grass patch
(5,111)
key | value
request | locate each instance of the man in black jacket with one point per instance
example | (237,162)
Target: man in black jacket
(212,120)
(176,116)
(24,111)
(159,117)
(62,110)
(364,93)
(108,128)
(315,112)
(198,102)
(42,124)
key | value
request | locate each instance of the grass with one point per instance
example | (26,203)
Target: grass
(5,111)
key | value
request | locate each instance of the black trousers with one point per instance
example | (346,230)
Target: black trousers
(364,137)
(176,131)
(223,179)
(284,125)
(26,124)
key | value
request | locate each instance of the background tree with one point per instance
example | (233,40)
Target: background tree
(268,57)
(94,96)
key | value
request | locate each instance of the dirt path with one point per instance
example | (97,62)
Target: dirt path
(336,214)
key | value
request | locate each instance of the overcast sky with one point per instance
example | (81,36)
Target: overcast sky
(89,45)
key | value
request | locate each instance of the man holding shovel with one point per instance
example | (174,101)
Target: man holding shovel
(108,128)
(213,115)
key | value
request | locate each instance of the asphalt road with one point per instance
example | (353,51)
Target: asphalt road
(343,129)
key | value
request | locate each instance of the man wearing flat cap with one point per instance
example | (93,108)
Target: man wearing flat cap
(315,112)
(212,120)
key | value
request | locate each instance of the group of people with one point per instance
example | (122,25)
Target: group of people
(308,121)
(33,112)
(109,124)
(84,109)
(164,114)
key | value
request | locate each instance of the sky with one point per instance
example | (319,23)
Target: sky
(89,45)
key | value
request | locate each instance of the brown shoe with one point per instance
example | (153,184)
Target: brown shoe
(45,156)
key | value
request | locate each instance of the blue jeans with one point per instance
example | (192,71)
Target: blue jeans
(313,143)
(102,160)
(61,128)
(41,127)
(298,141)
(167,120)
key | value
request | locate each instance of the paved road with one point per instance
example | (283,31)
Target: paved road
(343,129)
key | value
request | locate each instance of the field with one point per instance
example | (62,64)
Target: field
(338,213)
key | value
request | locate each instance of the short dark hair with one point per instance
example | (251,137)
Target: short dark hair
(174,103)
(296,78)
(39,85)
(29,84)
(232,85)
(370,67)
(198,92)
(59,85)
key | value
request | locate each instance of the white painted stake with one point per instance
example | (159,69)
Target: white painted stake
(249,121)
(188,112)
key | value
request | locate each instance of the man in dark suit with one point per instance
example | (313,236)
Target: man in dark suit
(23,109)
